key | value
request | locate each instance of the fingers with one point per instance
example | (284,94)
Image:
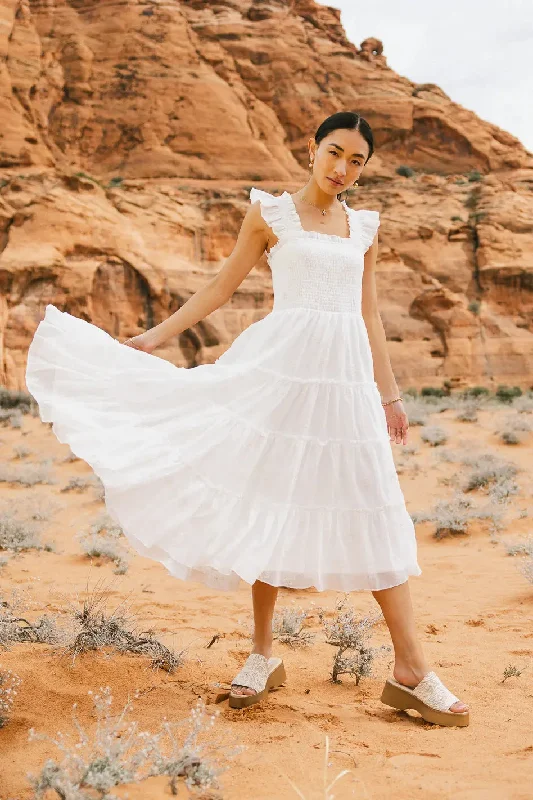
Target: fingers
(398,435)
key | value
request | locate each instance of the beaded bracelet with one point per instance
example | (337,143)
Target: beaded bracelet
(391,401)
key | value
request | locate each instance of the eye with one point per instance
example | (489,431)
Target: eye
(333,152)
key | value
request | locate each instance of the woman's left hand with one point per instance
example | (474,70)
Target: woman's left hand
(397,422)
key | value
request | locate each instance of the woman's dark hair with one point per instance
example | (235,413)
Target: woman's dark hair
(350,120)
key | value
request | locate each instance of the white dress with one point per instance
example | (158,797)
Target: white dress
(273,463)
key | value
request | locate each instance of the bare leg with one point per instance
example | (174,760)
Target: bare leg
(264,598)
(410,665)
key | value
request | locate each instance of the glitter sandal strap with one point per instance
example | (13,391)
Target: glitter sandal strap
(254,673)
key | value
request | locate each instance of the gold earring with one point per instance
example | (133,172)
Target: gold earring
(356,183)
(310,163)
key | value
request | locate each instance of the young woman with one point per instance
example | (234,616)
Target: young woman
(273,464)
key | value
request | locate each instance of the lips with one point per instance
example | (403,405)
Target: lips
(336,183)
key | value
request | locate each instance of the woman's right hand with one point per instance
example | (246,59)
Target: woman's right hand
(144,341)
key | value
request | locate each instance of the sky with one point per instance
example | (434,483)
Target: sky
(480,52)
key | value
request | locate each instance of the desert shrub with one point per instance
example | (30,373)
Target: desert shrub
(105,545)
(527,568)
(350,635)
(12,398)
(288,627)
(118,753)
(92,628)
(453,516)
(433,435)
(27,475)
(78,484)
(405,171)
(432,391)
(474,306)
(468,413)
(513,427)
(11,417)
(476,391)
(18,535)
(416,412)
(9,682)
(523,404)
(21,452)
(522,548)
(506,394)
(486,469)
(15,627)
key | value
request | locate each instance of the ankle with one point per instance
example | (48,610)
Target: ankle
(265,648)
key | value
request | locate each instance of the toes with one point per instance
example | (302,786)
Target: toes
(458,707)
(242,690)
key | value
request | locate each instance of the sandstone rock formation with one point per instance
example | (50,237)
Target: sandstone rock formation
(130,141)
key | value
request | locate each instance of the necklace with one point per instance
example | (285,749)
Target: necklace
(323,211)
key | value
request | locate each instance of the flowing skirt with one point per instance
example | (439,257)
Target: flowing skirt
(273,464)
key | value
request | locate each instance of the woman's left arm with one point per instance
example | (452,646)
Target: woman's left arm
(397,422)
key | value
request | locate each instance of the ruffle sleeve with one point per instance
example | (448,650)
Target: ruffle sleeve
(369,223)
(272,210)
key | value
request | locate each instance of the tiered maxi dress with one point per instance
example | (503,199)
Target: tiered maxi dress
(273,463)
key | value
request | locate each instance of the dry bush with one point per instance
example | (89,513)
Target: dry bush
(9,682)
(17,535)
(350,634)
(79,484)
(514,426)
(92,627)
(118,753)
(468,412)
(27,475)
(433,435)
(288,627)
(20,451)
(16,628)
(95,544)
(453,516)
(487,469)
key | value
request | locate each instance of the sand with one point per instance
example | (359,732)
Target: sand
(474,613)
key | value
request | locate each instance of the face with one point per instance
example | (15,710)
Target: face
(340,157)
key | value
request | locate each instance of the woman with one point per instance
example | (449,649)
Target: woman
(274,463)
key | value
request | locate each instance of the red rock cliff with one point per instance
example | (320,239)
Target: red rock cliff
(130,139)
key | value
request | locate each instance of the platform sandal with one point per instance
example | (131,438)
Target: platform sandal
(258,673)
(430,698)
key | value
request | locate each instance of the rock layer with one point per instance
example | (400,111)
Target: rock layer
(130,141)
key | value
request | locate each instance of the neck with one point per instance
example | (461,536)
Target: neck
(314,194)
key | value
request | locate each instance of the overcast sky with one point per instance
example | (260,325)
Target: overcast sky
(480,52)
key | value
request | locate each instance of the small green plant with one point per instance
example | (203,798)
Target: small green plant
(506,394)
(404,171)
(474,306)
(474,175)
(432,391)
(476,391)
(455,218)
(511,672)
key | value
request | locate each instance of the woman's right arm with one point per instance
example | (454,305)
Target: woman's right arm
(251,242)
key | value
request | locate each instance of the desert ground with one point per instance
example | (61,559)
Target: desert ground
(473,601)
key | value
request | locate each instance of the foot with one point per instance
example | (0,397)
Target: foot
(240,690)
(411,677)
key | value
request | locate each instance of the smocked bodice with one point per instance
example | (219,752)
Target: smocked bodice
(311,269)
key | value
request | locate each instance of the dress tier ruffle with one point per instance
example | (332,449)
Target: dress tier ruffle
(273,463)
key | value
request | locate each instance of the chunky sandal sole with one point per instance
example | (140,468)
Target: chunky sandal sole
(397,696)
(275,679)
